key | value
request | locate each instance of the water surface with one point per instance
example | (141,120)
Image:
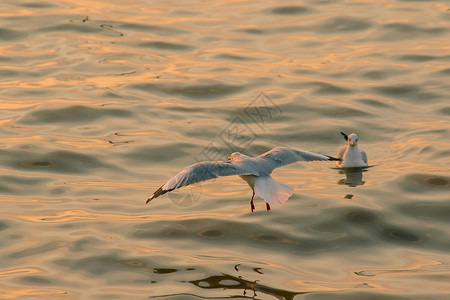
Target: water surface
(103,102)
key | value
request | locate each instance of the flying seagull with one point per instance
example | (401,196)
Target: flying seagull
(253,170)
(349,155)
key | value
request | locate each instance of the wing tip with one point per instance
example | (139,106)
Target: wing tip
(158,193)
(331,158)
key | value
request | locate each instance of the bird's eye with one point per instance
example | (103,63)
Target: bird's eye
(356,140)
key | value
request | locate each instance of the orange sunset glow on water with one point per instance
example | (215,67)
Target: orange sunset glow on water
(103,103)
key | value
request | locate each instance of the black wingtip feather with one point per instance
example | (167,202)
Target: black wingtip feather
(345,136)
(158,193)
(332,158)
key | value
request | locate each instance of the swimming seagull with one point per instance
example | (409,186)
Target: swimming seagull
(253,170)
(350,156)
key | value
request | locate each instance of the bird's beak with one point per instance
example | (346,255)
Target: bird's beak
(229,157)
(352,143)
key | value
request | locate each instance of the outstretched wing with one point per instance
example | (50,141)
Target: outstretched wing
(198,172)
(281,156)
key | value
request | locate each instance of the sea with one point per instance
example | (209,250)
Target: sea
(102,102)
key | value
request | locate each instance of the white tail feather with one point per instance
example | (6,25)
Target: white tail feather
(272,191)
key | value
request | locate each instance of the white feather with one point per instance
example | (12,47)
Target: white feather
(272,191)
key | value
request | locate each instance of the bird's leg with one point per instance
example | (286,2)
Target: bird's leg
(252,206)
(267,206)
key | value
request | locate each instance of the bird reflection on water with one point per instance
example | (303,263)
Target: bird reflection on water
(226,281)
(353,176)
(247,289)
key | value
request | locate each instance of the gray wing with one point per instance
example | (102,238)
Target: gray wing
(198,172)
(281,156)
(341,151)
(364,156)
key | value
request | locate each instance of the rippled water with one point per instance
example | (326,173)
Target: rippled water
(102,102)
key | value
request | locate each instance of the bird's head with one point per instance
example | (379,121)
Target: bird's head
(235,156)
(353,139)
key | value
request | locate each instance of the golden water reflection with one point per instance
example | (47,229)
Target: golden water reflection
(103,102)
